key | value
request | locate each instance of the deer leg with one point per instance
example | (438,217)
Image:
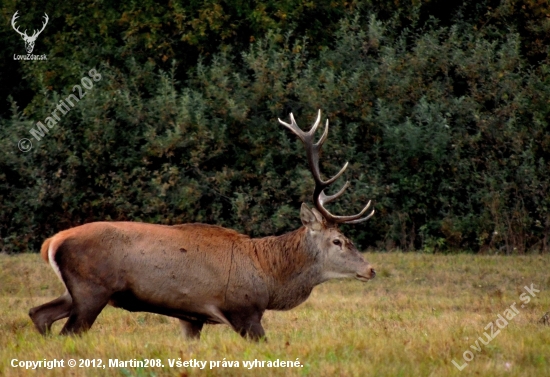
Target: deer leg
(88,302)
(249,327)
(81,319)
(191,329)
(45,315)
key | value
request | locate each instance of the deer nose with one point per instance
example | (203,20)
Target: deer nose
(372,273)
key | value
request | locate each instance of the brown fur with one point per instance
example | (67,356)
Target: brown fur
(195,272)
(285,261)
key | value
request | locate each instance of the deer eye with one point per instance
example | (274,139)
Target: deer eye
(337,242)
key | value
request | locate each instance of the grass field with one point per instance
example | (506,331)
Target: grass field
(420,313)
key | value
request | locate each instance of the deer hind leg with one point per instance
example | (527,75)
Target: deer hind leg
(191,329)
(88,302)
(44,316)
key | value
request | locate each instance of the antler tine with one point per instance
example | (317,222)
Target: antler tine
(353,219)
(306,137)
(318,146)
(330,181)
(314,128)
(360,220)
(37,33)
(15,17)
(325,132)
(294,128)
(323,198)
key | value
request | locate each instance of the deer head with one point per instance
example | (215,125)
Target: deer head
(29,41)
(341,257)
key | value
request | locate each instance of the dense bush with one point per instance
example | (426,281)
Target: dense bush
(443,118)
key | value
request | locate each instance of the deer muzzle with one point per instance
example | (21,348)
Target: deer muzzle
(367,274)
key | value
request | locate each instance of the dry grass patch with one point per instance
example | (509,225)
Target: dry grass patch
(421,312)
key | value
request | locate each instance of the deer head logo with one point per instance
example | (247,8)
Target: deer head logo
(29,41)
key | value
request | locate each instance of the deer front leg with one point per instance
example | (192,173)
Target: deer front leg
(248,326)
(191,330)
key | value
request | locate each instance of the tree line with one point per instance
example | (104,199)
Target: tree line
(442,114)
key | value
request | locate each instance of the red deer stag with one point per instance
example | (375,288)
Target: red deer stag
(201,273)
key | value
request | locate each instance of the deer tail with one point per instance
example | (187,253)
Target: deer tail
(44,249)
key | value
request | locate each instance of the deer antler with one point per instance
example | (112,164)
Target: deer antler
(24,35)
(319,196)
(15,16)
(35,34)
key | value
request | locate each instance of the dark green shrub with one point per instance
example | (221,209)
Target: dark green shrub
(444,122)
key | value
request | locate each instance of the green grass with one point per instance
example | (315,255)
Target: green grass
(421,312)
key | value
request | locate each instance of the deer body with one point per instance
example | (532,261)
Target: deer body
(197,273)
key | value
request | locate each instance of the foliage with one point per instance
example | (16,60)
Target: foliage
(443,119)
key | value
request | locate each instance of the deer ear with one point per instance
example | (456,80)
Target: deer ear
(311,218)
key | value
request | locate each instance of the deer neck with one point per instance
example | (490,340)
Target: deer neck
(290,266)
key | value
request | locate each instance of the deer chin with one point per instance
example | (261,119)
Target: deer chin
(362,278)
